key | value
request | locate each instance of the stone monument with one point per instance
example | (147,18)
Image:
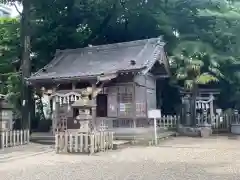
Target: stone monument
(84,107)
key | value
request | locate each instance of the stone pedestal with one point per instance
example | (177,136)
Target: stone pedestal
(235,129)
(188,131)
(84,117)
(203,130)
(84,126)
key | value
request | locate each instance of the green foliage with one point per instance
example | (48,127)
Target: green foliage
(9,52)
(13,92)
(9,43)
(193,66)
(202,36)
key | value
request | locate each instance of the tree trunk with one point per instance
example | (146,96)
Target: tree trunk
(193,105)
(26,65)
(187,111)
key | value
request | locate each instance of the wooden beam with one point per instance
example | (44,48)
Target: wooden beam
(161,76)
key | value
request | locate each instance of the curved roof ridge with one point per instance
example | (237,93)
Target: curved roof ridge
(84,62)
(113,45)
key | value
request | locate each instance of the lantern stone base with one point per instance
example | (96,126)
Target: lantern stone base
(201,131)
(84,126)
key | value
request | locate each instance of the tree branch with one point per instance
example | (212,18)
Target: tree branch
(102,25)
(19,12)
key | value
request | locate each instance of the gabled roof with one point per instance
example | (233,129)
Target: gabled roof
(94,61)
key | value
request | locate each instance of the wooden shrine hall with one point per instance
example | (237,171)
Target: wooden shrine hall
(122,78)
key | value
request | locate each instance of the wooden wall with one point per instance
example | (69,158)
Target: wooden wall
(132,99)
(151,92)
(145,94)
(120,98)
(112,110)
(129,97)
(140,100)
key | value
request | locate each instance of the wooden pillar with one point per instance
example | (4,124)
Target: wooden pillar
(94,112)
(134,105)
(145,97)
(54,110)
(73,86)
(211,109)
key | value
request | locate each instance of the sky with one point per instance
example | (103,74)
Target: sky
(14,11)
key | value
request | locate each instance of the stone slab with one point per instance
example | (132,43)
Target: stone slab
(120,143)
(195,131)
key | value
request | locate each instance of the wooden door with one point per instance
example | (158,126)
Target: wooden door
(112,105)
(102,107)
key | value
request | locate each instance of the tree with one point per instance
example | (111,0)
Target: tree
(211,26)
(225,40)
(195,66)
(26,94)
(10,51)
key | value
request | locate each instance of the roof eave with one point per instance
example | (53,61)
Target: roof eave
(33,81)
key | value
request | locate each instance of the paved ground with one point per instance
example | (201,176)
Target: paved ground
(176,159)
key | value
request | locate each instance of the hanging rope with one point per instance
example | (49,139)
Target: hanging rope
(204,104)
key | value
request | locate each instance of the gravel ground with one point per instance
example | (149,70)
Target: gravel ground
(176,159)
(19,152)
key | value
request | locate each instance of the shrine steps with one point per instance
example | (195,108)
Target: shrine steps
(145,139)
(120,140)
(118,144)
(43,138)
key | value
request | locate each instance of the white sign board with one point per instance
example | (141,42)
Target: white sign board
(154,113)
(122,107)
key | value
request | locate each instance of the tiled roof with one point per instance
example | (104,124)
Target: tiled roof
(104,59)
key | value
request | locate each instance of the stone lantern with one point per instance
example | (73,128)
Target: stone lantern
(84,116)
(6,115)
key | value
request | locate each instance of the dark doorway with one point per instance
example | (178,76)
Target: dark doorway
(102,105)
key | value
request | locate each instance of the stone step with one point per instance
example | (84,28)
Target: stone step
(43,138)
(161,137)
(118,144)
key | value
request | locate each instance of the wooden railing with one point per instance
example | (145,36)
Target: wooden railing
(221,123)
(76,142)
(218,122)
(122,123)
(168,121)
(14,138)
